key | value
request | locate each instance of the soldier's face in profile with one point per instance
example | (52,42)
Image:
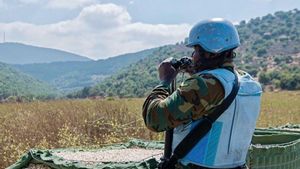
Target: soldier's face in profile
(196,54)
(200,53)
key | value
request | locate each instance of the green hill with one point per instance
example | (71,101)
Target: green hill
(18,53)
(270,51)
(17,84)
(73,75)
(270,41)
(137,79)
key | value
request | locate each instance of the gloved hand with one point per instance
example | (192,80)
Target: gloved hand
(166,71)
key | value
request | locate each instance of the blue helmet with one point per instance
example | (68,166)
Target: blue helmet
(215,35)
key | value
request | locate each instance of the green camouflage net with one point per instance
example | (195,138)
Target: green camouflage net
(272,148)
(275,148)
(53,159)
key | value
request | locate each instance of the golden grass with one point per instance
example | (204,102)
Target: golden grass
(279,108)
(70,123)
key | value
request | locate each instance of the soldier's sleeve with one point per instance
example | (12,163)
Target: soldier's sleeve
(195,97)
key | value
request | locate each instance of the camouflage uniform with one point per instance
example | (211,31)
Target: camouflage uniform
(195,97)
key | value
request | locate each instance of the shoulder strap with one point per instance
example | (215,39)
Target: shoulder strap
(186,145)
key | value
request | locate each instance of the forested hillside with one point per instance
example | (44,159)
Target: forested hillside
(270,51)
(73,75)
(137,79)
(17,85)
(271,35)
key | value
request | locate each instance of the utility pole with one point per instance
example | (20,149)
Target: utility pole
(4,37)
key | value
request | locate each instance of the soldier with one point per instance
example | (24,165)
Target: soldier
(212,79)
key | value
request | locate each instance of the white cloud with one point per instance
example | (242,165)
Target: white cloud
(235,22)
(99,31)
(69,4)
(105,16)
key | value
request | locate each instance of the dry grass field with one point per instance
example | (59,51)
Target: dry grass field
(88,123)
(279,108)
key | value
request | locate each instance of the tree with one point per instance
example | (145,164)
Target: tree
(264,78)
(261,52)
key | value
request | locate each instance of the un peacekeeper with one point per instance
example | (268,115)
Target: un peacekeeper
(227,143)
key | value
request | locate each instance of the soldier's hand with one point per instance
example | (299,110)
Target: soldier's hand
(166,71)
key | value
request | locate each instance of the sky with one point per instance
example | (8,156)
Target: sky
(100,29)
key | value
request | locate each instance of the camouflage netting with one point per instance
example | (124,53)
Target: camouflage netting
(138,154)
(273,148)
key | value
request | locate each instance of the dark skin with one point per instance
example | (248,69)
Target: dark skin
(206,60)
(167,73)
(198,52)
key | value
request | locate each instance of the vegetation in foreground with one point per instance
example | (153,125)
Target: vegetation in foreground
(94,123)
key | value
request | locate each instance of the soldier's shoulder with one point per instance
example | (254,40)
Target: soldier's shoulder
(200,82)
(195,82)
(210,79)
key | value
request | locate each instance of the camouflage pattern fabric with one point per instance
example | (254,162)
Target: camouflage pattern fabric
(195,97)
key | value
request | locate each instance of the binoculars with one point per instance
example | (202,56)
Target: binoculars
(182,64)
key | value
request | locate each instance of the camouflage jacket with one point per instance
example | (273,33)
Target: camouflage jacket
(194,98)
